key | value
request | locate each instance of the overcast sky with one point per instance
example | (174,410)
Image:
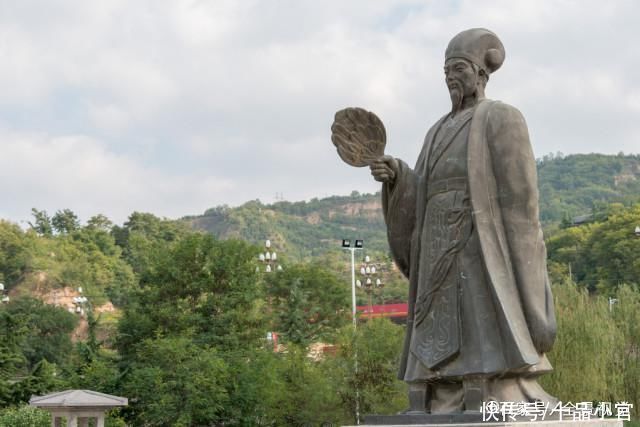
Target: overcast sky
(172,107)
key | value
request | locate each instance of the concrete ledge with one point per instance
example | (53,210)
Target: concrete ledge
(427,420)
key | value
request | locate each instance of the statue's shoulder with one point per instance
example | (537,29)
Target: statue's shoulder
(504,128)
(501,117)
(499,111)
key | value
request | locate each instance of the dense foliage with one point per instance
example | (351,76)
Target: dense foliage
(596,356)
(88,257)
(30,346)
(574,185)
(188,344)
(309,302)
(602,254)
(24,416)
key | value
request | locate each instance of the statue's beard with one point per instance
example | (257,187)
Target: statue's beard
(456,93)
(457,96)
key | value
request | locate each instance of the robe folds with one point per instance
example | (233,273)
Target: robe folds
(502,188)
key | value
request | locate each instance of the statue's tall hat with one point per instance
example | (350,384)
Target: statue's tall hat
(478,45)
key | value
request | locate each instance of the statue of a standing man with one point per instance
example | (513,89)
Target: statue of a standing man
(463,226)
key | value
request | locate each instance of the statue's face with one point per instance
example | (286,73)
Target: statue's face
(461,78)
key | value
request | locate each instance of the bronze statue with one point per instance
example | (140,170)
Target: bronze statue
(463,227)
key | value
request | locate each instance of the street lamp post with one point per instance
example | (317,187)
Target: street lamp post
(357,245)
(368,270)
(269,257)
(270,260)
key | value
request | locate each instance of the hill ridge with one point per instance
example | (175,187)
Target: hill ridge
(570,185)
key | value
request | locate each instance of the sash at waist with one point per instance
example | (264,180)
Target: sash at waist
(444,185)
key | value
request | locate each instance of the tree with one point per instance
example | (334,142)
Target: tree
(203,297)
(144,234)
(174,382)
(12,360)
(199,287)
(377,344)
(300,392)
(18,380)
(309,302)
(65,221)
(99,222)
(100,374)
(586,337)
(48,331)
(294,319)
(626,314)
(15,253)
(42,222)
(612,250)
(603,254)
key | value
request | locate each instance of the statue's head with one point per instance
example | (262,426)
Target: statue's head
(470,58)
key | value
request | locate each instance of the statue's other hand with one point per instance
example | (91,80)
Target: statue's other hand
(384,169)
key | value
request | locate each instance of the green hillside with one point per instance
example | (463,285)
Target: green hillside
(301,229)
(569,186)
(576,184)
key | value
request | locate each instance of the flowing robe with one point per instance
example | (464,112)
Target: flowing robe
(510,292)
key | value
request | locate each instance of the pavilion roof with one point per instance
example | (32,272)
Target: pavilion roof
(78,398)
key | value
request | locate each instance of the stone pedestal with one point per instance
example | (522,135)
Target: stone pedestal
(447,421)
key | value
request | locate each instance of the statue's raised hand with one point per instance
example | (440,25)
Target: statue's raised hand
(359,136)
(384,169)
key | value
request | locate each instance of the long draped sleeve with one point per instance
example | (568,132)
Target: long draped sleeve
(399,209)
(514,167)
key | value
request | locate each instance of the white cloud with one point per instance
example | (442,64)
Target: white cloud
(109,117)
(78,172)
(173,107)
